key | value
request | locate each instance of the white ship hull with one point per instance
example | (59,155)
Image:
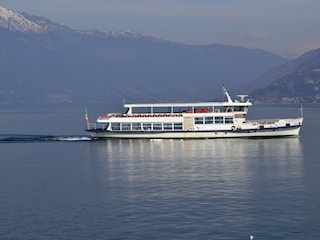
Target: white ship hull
(244,133)
(191,120)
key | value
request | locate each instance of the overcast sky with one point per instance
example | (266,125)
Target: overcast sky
(285,27)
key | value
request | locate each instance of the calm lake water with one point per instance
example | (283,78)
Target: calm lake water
(57,183)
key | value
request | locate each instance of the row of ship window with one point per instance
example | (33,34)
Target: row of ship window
(213,120)
(146,126)
(168,126)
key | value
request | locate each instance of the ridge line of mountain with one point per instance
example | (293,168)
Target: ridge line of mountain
(124,64)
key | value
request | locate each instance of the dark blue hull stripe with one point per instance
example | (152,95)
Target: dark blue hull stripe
(279,129)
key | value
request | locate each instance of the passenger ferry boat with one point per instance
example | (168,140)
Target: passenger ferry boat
(191,121)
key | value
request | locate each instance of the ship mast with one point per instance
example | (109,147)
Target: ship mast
(227,94)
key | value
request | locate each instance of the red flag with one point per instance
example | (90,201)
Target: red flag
(86,119)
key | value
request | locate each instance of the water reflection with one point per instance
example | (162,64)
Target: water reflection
(209,169)
(224,183)
(226,158)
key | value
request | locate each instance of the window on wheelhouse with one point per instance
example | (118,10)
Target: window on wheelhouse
(162,109)
(136,126)
(198,120)
(218,120)
(223,109)
(182,109)
(125,126)
(115,126)
(136,110)
(167,126)
(239,108)
(157,126)
(228,119)
(146,126)
(208,120)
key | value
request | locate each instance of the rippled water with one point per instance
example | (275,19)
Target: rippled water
(60,186)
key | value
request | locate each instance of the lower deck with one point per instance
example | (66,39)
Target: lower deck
(181,134)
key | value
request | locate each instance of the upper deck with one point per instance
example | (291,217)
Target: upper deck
(180,107)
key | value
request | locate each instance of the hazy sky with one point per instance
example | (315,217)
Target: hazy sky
(286,27)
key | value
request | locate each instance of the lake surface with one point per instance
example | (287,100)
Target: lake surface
(57,183)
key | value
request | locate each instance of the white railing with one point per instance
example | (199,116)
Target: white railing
(97,126)
(263,121)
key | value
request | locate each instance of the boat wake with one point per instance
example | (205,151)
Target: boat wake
(18,138)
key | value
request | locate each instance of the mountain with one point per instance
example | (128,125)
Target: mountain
(296,81)
(42,61)
(15,21)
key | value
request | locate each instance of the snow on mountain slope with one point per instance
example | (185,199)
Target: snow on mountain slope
(23,22)
(15,21)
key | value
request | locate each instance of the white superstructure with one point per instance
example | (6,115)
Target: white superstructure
(191,120)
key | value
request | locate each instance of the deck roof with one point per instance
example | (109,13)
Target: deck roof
(197,104)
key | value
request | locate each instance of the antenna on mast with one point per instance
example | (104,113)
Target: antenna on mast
(226,93)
